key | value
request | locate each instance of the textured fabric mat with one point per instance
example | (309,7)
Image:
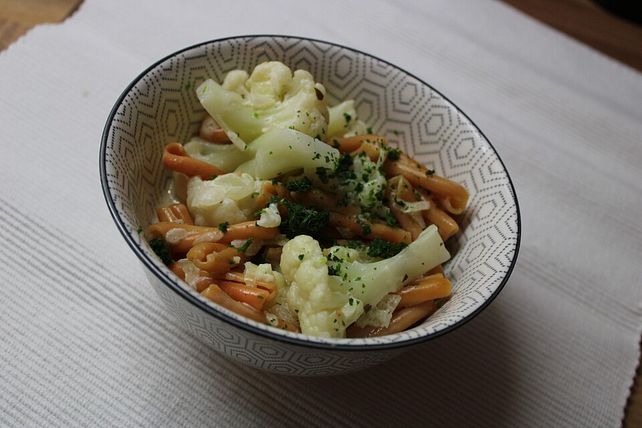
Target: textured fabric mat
(84,340)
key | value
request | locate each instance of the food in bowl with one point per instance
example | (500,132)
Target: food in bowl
(296,214)
(157,108)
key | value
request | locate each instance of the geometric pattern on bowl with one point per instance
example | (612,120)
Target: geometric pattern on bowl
(160,106)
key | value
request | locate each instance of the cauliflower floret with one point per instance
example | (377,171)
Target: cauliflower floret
(327,304)
(339,118)
(224,156)
(267,85)
(235,81)
(343,121)
(324,307)
(380,314)
(262,272)
(372,281)
(280,151)
(372,183)
(359,180)
(278,306)
(270,217)
(227,198)
(271,97)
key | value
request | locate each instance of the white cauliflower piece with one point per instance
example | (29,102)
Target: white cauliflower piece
(278,307)
(340,117)
(327,304)
(323,306)
(262,272)
(371,180)
(224,156)
(235,81)
(270,217)
(271,97)
(370,282)
(280,151)
(343,121)
(227,198)
(380,314)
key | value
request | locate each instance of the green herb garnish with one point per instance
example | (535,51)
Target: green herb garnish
(394,154)
(302,185)
(243,248)
(159,247)
(302,220)
(384,249)
(365,226)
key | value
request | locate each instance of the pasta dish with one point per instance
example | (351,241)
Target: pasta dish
(296,214)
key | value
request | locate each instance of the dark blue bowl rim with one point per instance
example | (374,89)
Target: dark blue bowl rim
(308,342)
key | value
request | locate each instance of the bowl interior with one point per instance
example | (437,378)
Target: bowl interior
(160,106)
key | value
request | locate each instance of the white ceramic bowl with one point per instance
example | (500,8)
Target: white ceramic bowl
(160,106)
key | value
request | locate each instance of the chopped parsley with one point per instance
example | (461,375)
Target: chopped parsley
(332,257)
(322,173)
(394,154)
(302,185)
(301,256)
(390,219)
(344,163)
(302,220)
(347,117)
(223,226)
(159,247)
(354,244)
(384,249)
(344,201)
(365,226)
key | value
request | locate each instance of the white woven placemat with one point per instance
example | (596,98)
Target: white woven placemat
(84,341)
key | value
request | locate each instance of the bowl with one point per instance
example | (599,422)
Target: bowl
(160,106)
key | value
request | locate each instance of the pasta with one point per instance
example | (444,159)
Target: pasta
(295,214)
